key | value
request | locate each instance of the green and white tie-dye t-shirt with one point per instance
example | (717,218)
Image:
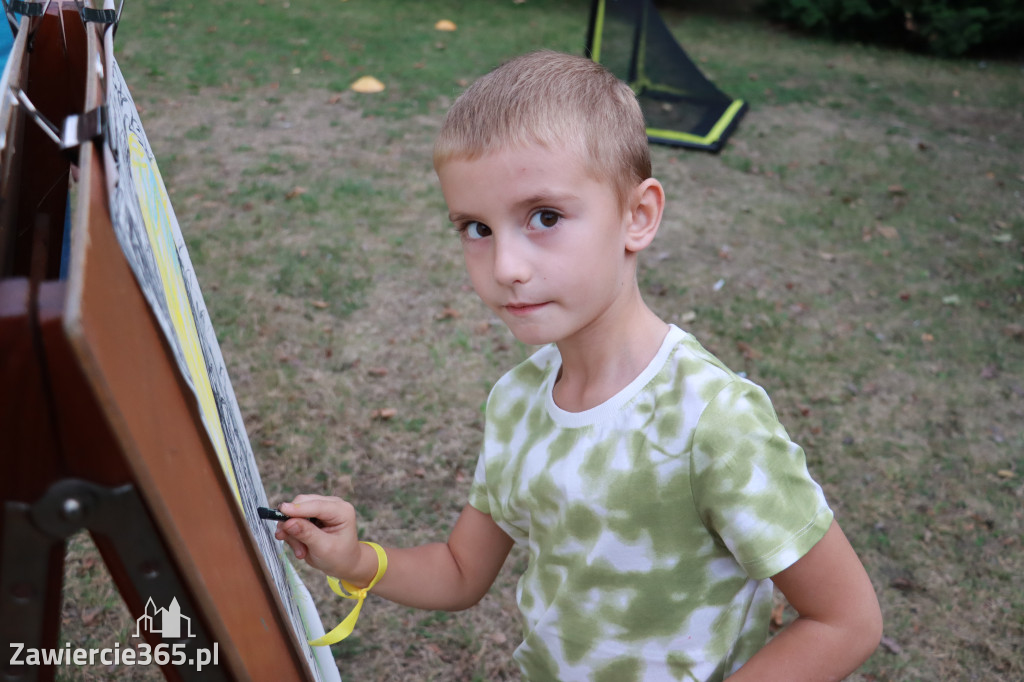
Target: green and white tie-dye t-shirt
(653,521)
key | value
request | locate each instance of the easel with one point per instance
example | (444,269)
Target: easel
(97,428)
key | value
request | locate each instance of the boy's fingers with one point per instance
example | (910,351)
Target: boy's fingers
(305,497)
(297,546)
(331,511)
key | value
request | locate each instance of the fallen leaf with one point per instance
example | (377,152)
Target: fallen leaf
(1005,473)
(90,615)
(295,192)
(891,646)
(927,338)
(887,231)
(377,371)
(896,190)
(384,413)
(449,314)
(905,585)
(1014,331)
(367,84)
(825,256)
(445,25)
(334,99)
(749,352)
(319,304)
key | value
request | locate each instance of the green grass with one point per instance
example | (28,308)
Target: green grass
(865,222)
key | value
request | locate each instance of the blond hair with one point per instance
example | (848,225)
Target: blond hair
(552,99)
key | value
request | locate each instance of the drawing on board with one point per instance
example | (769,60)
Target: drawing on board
(151,239)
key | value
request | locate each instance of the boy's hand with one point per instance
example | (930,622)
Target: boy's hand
(333,549)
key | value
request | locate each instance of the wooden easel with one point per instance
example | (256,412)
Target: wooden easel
(98,429)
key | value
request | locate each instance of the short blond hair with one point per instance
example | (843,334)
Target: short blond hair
(552,99)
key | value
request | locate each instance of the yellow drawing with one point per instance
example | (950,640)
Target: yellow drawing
(155,213)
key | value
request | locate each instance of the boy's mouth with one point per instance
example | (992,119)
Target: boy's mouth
(521,309)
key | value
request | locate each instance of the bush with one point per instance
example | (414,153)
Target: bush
(943,27)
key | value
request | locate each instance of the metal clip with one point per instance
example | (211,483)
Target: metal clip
(97,16)
(108,17)
(25,8)
(28,9)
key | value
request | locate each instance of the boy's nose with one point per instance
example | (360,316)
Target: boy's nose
(511,262)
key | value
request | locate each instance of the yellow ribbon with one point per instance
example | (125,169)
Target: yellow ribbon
(348,591)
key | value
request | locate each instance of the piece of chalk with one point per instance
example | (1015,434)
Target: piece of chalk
(268,514)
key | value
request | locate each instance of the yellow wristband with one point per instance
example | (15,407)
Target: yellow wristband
(348,591)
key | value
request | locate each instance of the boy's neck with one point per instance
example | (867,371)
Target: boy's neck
(602,360)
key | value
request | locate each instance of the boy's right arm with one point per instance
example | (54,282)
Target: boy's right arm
(447,576)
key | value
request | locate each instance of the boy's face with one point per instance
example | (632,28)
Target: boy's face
(544,241)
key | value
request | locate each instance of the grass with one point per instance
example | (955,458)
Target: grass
(865,223)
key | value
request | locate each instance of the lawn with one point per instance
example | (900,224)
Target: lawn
(857,249)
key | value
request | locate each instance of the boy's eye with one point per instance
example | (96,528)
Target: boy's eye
(476,230)
(543,220)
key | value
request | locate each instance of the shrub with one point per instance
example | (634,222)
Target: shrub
(942,27)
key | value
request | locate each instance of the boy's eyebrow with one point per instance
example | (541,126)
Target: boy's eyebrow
(539,199)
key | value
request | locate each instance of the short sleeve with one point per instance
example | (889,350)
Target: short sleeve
(751,484)
(478,497)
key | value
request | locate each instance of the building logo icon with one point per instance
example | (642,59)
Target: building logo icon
(168,623)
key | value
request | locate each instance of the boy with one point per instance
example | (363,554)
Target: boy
(657,494)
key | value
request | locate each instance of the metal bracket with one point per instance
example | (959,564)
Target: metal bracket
(79,128)
(76,129)
(31,534)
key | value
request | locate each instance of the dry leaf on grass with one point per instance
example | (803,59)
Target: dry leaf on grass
(90,615)
(891,645)
(887,231)
(445,25)
(384,413)
(367,84)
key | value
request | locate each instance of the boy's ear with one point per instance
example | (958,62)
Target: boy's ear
(647,202)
